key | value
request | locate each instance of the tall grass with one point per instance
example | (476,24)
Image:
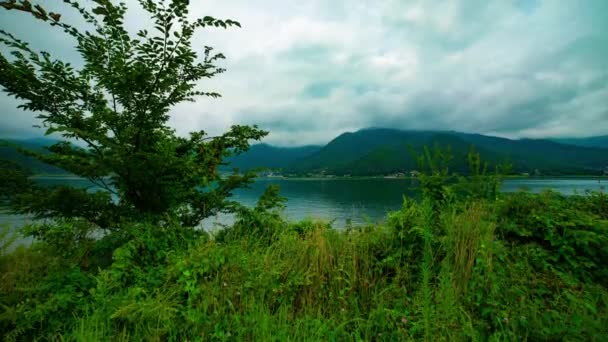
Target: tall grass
(470,271)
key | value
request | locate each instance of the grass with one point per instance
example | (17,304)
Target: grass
(524,267)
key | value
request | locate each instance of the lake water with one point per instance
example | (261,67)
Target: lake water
(369,200)
(360,200)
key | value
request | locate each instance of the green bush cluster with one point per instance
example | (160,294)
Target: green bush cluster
(523,266)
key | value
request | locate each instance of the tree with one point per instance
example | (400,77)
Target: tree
(117,105)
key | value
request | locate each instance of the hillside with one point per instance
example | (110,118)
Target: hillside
(376,151)
(546,156)
(398,156)
(599,141)
(379,151)
(9,152)
(266,156)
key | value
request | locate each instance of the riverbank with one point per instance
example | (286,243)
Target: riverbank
(600,177)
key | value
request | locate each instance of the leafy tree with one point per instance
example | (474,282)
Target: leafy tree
(117,106)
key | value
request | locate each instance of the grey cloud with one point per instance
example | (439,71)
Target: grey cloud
(308,71)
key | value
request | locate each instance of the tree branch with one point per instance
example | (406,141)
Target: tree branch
(103,185)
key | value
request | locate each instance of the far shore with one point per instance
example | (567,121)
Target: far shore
(591,177)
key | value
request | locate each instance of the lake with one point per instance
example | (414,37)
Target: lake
(368,200)
(340,199)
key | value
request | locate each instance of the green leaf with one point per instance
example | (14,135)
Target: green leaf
(100,11)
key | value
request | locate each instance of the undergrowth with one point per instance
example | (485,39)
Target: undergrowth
(523,267)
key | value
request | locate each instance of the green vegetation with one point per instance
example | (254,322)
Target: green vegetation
(128,263)
(455,266)
(116,106)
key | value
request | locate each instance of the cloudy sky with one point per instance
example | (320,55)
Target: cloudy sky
(310,70)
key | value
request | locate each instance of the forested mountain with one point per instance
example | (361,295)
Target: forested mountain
(376,151)
(599,141)
(267,156)
(9,152)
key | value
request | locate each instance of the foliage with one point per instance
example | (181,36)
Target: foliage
(7,238)
(117,105)
(479,182)
(262,222)
(435,176)
(13,179)
(484,270)
(562,237)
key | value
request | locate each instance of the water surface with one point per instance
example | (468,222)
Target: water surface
(339,200)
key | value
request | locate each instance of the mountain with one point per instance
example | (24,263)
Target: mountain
(380,151)
(398,155)
(544,155)
(258,156)
(376,151)
(9,152)
(267,156)
(599,141)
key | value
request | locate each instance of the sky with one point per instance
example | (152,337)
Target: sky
(308,71)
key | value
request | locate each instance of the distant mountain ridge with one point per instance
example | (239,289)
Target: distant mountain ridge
(598,141)
(9,152)
(267,156)
(376,151)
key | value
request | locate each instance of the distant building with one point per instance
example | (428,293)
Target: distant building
(271,174)
(395,175)
(414,173)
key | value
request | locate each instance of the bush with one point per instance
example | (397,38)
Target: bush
(568,235)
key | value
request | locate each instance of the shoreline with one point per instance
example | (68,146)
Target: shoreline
(299,178)
(585,177)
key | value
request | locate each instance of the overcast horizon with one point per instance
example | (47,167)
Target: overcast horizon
(309,71)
